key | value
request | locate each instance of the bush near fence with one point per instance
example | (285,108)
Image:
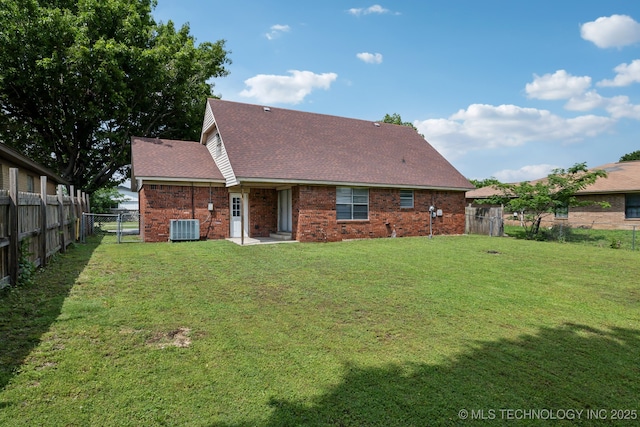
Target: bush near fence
(598,234)
(491,221)
(48,223)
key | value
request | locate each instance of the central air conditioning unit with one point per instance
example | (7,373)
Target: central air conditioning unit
(181,230)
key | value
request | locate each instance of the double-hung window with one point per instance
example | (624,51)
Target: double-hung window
(406,198)
(632,206)
(352,203)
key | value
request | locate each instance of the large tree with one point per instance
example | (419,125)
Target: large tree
(78,78)
(396,119)
(629,157)
(555,193)
(479,183)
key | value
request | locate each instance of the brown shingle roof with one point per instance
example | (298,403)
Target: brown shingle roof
(281,144)
(482,193)
(621,177)
(169,159)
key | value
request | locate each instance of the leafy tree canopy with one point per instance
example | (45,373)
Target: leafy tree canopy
(631,156)
(539,198)
(395,119)
(479,183)
(105,198)
(78,78)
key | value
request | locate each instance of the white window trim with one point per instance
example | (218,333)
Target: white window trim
(406,198)
(353,202)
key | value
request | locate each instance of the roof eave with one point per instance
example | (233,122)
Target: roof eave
(281,181)
(178,179)
(21,160)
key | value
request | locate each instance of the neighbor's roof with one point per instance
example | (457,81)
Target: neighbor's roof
(621,177)
(23,161)
(482,193)
(280,144)
(172,160)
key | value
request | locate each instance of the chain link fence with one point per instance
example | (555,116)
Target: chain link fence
(123,226)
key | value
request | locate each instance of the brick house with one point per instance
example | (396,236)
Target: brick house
(621,189)
(259,171)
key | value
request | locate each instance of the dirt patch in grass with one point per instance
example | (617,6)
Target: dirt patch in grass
(180,337)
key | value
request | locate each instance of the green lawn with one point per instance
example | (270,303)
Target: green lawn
(406,332)
(611,239)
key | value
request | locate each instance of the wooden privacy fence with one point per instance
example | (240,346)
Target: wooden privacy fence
(48,223)
(481,220)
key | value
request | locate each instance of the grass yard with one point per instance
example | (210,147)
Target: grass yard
(407,332)
(610,239)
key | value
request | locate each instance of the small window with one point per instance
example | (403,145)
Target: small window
(632,205)
(235,206)
(30,184)
(406,198)
(352,203)
(562,212)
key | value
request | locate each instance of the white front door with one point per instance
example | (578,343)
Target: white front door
(235,202)
(284,210)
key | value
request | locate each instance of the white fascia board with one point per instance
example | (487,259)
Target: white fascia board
(277,181)
(142,179)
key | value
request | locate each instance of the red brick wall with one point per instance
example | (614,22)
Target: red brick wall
(313,211)
(263,212)
(316,215)
(161,203)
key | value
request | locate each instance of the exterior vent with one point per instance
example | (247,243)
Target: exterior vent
(184,229)
(266,109)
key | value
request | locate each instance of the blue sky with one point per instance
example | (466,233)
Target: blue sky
(502,88)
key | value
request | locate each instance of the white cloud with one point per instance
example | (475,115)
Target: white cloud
(376,8)
(525,173)
(620,107)
(272,89)
(626,75)
(370,58)
(611,31)
(277,30)
(483,126)
(559,85)
(586,101)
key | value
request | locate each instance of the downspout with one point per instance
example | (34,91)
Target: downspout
(242,216)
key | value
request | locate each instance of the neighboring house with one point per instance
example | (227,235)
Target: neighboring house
(29,172)
(258,170)
(130,197)
(621,189)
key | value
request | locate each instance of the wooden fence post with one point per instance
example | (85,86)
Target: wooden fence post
(80,211)
(43,221)
(14,232)
(72,211)
(88,196)
(62,218)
